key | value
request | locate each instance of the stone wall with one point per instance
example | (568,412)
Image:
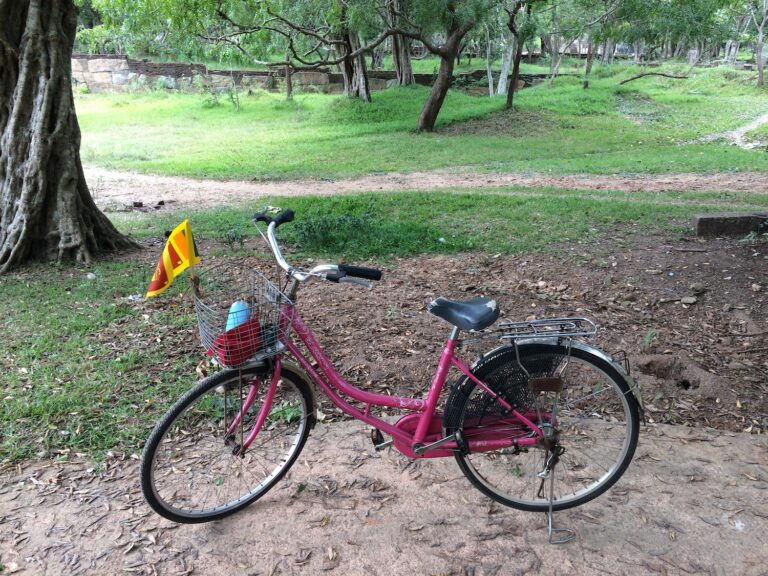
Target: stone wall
(107,73)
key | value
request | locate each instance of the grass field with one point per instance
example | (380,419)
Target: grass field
(647,126)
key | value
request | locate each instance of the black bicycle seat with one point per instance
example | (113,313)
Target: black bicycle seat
(474,314)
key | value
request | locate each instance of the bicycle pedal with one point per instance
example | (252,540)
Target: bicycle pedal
(378,440)
(377,437)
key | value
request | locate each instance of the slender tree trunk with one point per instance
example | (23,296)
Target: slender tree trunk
(590,58)
(377,58)
(554,63)
(444,78)
(488,61)
(515,74)
(288,79)
(609,47)
(46,209)
(508,55)
(759,54)
(436,97)
(519,45)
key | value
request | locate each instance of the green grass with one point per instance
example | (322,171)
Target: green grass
(647,126)
(500,220)
(82,369)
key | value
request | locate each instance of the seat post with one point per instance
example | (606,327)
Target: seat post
(454,333)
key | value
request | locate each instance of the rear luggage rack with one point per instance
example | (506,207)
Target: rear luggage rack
(547,328)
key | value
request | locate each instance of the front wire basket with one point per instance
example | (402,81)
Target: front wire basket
(240,313)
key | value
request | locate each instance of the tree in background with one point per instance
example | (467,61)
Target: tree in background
(401,45)
(46,209)
(759,11)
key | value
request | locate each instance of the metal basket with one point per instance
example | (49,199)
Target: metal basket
(241,315)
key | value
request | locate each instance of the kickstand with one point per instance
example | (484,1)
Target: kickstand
(556,535)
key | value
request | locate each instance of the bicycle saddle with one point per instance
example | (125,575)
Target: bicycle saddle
(474,314)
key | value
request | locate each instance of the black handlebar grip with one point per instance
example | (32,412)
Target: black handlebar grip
(283,217)
(261,217)
(360,272)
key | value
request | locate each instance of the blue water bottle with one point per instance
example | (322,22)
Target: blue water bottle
(239,312)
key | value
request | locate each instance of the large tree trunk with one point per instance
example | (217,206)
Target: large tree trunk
(46,209)
(401,48)
(353,70)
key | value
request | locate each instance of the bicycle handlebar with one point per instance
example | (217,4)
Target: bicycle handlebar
(345,273)
(281,218)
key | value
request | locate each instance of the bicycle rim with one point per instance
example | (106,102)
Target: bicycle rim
(597,424)
(190,472)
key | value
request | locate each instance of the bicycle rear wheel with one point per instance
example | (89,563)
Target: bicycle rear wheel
(597,424)
(189,472)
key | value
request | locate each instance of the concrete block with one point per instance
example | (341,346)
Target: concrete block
(730,223)
(107,65)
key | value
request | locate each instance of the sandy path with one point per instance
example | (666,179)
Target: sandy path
(692,502)
(115,190)
(739,135)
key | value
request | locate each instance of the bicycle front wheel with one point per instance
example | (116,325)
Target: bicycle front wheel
(596,423)
(189,470)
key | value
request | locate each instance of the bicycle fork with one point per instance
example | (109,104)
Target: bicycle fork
(239,449)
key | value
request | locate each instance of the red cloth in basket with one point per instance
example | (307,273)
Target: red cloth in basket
(237,345)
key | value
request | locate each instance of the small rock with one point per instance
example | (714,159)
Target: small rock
(756,287)
(91,276)
(688,300)
(698,288)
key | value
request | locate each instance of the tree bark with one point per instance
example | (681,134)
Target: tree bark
(288,79)
(401,56)
(436,97)
(46,209)
(353,70)
(508,54)
(401,48)
(447,53)
(590,58)
(760,16)
(488,61)
(515,74)
(519,46)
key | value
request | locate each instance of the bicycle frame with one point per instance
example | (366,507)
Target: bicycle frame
(415,444)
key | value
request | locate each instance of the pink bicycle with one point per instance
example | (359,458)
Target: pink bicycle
(542,422)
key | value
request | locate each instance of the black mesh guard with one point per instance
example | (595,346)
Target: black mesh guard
(501,372)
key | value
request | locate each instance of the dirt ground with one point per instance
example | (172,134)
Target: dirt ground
(692,502)
(118,191)
(689,313)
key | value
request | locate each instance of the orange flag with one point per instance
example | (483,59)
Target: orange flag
(179,254)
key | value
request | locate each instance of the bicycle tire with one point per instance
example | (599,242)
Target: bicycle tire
(598,425)
(189,473)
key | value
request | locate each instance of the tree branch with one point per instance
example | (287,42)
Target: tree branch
(636,76)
